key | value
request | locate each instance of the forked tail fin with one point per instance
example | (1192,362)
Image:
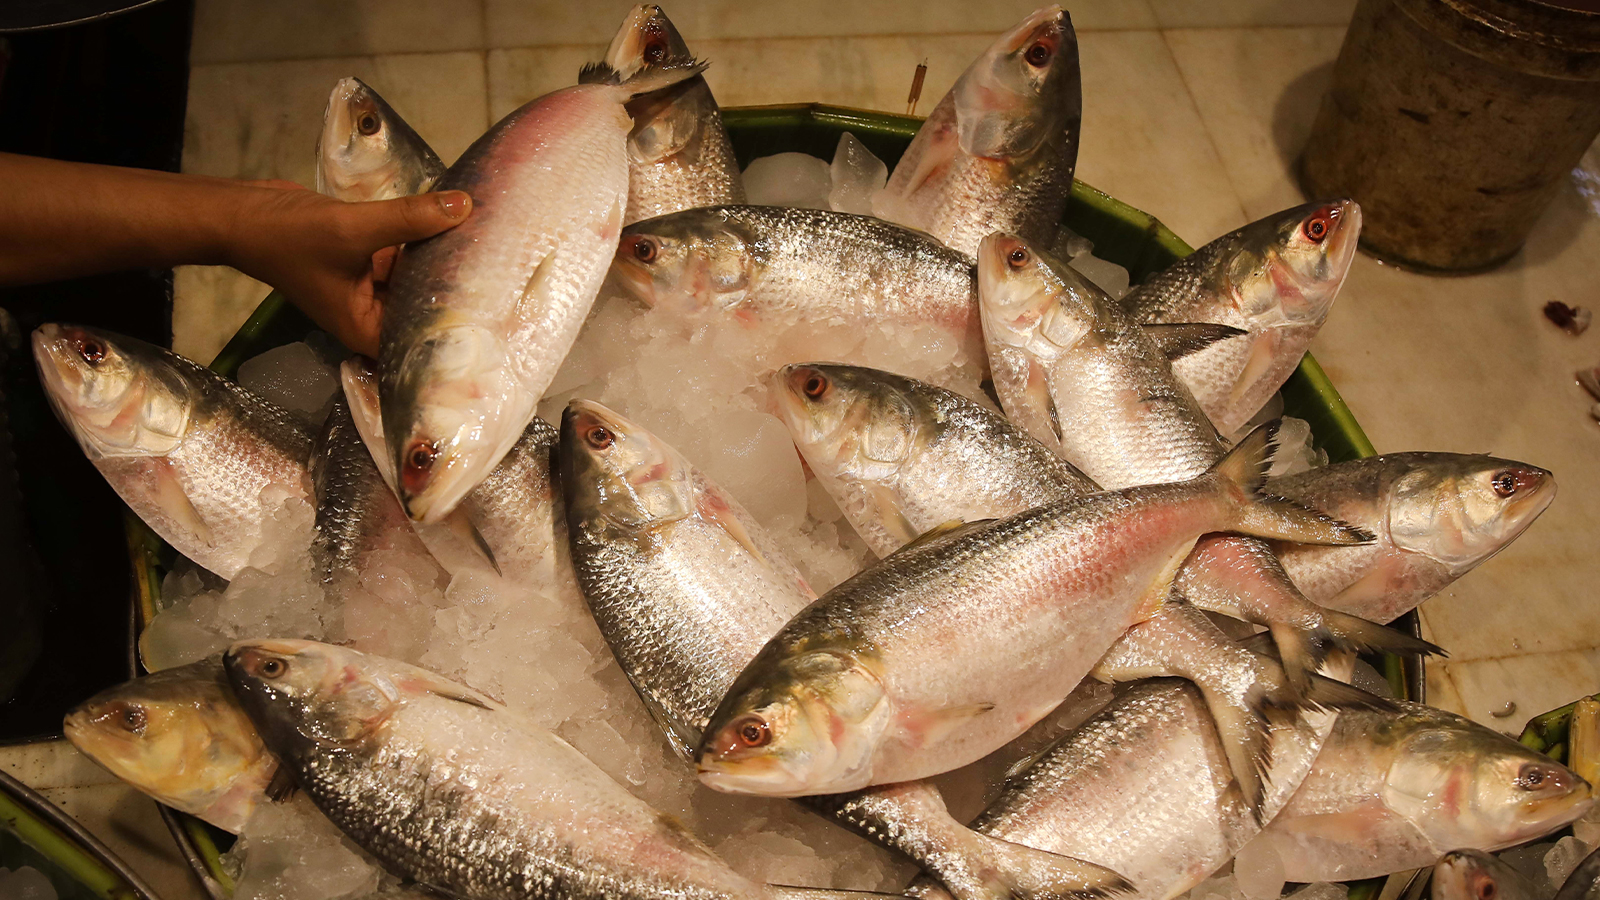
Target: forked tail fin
(1243,472)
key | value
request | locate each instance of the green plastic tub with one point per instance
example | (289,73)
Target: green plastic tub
(1124,235)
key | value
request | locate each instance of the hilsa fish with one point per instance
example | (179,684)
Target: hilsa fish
(366,151)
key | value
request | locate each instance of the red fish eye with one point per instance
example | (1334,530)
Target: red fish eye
(599,437)
(1039,54)
(816,385)
(655,52)
(273,667)
(1018,257)
(130,717)
(644,249)
(1487,890)
(421,456)
(92,350)
(368,124)
(1505,484)
(1316,227)
(753,731)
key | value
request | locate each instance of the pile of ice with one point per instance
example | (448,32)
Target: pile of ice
(25,883)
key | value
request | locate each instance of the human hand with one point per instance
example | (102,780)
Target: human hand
(330,258)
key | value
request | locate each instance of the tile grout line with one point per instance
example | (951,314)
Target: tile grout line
(1205,125)
(488,92)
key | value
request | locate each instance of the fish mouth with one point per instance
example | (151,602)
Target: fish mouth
(761,776)
(1346,235)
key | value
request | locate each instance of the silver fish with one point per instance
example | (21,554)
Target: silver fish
(1145,788)
(1070,368)
(998,152)
(902,457)
(179,736)
(189,451)
(1275,279)
(679,154)
(1475,875)
(1436,516)
(955,645)
(367,152)
(769,265)
(479,317)
(1392,792)
(449,788)
(687,587)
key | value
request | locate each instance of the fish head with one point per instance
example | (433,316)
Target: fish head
(366,151)
(450,411)
(802,724)
(304,696)
(1466,875)
(1287,268)
(848,421)
(647,38)
(178,735)
(1466,786)
(118,396)
(619,476)
(688,261)
(1031,301)
(1023,90)
(1459,510)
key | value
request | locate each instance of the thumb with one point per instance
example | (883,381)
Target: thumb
(390,222)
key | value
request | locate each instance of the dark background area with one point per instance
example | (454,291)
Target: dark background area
(111,91)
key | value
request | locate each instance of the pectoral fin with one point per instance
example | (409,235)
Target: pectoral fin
(1037,390)
(174,501)
(933,727)
(459,524)
(715,509)
(536,293)
(887,504)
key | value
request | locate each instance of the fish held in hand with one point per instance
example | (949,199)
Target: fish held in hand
(189,451)
(480,317)
(1275,279)
(367,152)
(679,154)
(955,645)
(998,152)
(179,736)
(1436,516)
(1394,791)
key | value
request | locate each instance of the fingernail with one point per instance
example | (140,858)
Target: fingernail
(455,203)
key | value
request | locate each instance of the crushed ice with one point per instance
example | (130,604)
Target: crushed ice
(25,883)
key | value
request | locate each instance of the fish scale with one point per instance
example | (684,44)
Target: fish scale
(357,513)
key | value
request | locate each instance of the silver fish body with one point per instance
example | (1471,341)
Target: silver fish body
(1275,279)
(679,153)
(480,317)
(191,453)
(998,151)
(517,510)
(179,736)
(367,152)
(1436,516)
(770,266)
(1476,875)
(1393,791)
(447,787)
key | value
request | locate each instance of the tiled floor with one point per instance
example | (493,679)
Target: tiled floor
(1193,111)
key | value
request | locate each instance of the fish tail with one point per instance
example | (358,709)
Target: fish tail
(995,869)
(1243,473)
(1301,651)
(1355,633)
(786,892)
(1329,694)
(1246,739)
(646,80)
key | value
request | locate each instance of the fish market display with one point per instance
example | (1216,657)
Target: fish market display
(457,792)
(687,588)
(998,152)
(179,736)
(479,318)
(946,650)
(203,462)
(679,155)
(367,152)
(768,267)
(1395,792)
(1436,516)
(1274,279)
(967,611)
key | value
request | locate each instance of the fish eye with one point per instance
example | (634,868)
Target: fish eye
(421,456)
(93,350)
(753,731)
(369,124)
(1018,257)
(273,667)
(599,437)
(655,51)
(1316,227)
(1504,484)
(645,249)
(1532,777)
(1039,54)
(1486,890)
(816,385)
(130,717)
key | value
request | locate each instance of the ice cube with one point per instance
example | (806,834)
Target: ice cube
(25,883)
(1370,680)
(294,376)
(1070,244)
(1107,275)
(289,851)
(788,179)
(1321,890)
(1259,871)
(857,175)
(1563,858)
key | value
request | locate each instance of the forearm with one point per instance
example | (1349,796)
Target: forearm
(63,220)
